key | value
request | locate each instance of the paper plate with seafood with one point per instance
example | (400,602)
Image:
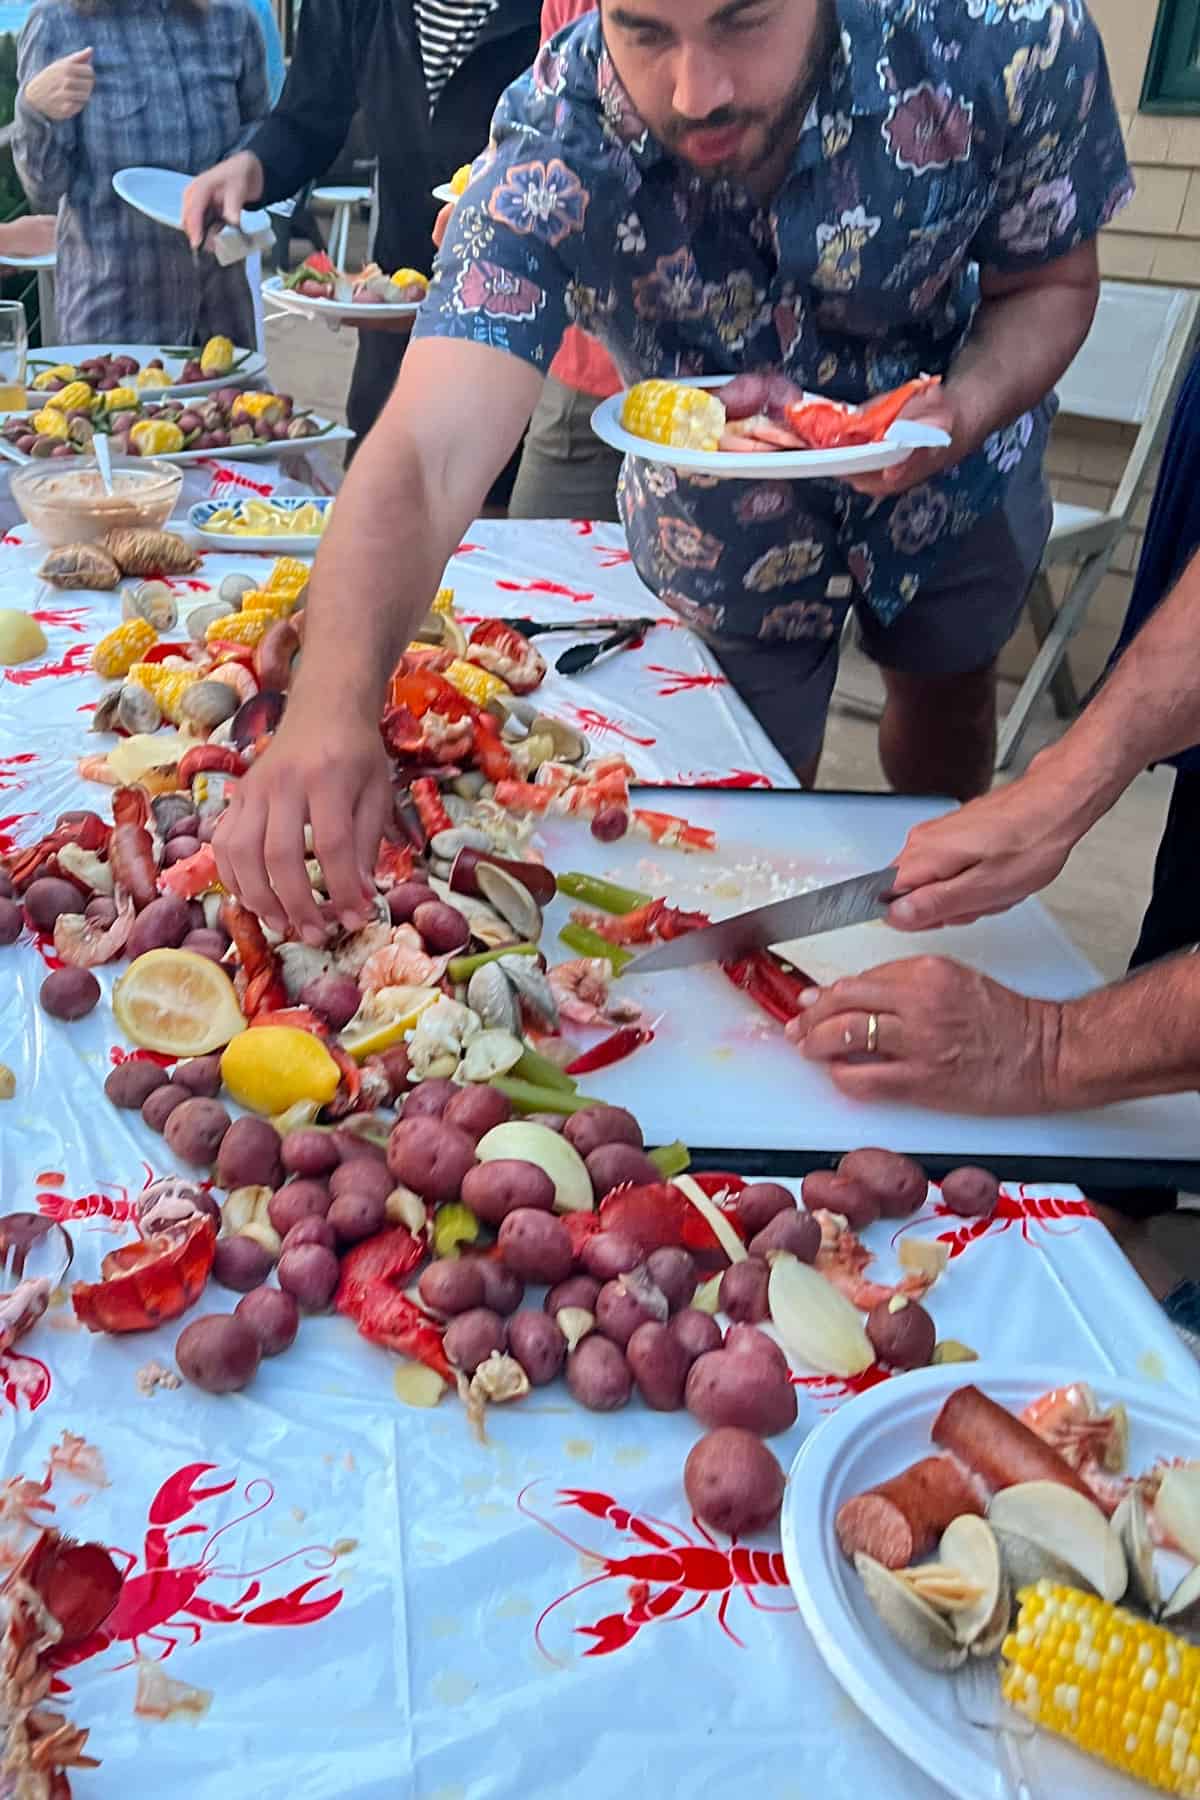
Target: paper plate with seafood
(316,290)
(1027,1533)
(764,426)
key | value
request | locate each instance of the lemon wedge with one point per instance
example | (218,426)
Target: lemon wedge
(274,1067)
(177,1002)
(367,1037)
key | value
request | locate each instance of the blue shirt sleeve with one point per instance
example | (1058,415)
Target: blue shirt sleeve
(1064,172)
(264,12)
(503,276)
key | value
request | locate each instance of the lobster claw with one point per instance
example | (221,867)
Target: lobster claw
(293,1608)
(181,1493)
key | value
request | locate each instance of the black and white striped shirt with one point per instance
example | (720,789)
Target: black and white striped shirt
(447,30)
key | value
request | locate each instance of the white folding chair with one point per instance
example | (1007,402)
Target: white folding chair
(1129,372)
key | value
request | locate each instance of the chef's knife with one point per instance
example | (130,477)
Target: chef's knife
(803,915)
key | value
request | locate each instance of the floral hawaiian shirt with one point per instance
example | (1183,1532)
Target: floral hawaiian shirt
(946,134)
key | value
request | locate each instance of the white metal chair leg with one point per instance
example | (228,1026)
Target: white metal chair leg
(1070,617)
(341,236)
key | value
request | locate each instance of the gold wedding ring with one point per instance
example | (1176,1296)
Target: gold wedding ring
(872,1033)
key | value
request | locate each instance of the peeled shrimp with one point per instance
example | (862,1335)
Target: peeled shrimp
(758,433)
(401,963)
(95,768)
(581,990)
(85,942)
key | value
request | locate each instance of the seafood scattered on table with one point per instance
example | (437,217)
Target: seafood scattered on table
(1027,1537)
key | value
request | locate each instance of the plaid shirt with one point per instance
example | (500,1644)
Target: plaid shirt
(177,87)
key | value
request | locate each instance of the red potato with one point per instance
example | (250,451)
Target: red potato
(158,1106)
(178,850)
(493,1190)
(971,1193)
(796,1232)
(334,998)
(46,898)
(7,890)
(619,1312)
(249,1155)
(696,1331)
(241,1264)
(199,1076)
(612,1165)
(272,1316)
(363,1175)
(430,1157)
(430,1099)
(101,908)
(897,1182)
(748,1340)
(503,1291)
(443,929)
(314,1230)
(203,942)
(733,1482)
(12,920)
(356,1216)
(609,1254)
(673,1272)
(824,1190)
(580,1292)
(598,1375)
(352,1146)
(219,1354)
(195,1130)
(536,1246)
(404,899)
(162,925)
(476,1110)
(449,1288)
(474,1336)
(727,1389)
(597,1125)
(902,1333)
(296,1200)
(131,1083)
(310,1151)
(310,1275)
(758,1204)
(743,1292)
(659,1364)
(538,1345)
(69,994)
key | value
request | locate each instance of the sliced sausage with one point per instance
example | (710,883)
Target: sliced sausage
(988,1439)
(903,1519)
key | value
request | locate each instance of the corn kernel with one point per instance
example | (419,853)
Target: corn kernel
(122,647)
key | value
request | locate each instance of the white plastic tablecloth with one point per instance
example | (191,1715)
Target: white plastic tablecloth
(378,1605)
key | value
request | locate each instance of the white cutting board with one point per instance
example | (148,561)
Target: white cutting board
(719,1074)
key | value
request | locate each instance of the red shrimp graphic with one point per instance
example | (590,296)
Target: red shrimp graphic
(578,595)
(1019,1208)
(684,681)
(588,719)
(77,661)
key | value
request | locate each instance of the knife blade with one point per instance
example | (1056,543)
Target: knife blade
(852,902)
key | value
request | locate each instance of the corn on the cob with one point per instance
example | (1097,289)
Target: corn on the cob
(151,378)
(409,278)
(261,408)
(157,437)
(119,399)
(72,398)
(216,358)
(288,576)
(476,683)
(443,601)
(168,686)
(666,412)
(51,423)
(459,179)
(245,628)
(261,600)
(1109,1682)
(48,377)
(122,647)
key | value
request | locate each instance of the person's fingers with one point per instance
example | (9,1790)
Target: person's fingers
(441,224)
(284,857)
(875,1079)
(944,902)
(232,195)
(242,865)
(223,837)
(370,817)
(330,811)
(849,1034)
(874,992)
(193,212)
(80,57)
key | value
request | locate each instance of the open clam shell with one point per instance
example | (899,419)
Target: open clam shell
(969,1544)
(491,1053)
(512,900)
(570,746)
(493,931)
(1181,1611)
(533,988)
(1131,1524)
(1048,1531)
(927,1637)
(490,994)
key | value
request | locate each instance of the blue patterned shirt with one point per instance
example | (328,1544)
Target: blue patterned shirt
(946,135)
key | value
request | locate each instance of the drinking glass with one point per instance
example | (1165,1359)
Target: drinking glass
(14,346)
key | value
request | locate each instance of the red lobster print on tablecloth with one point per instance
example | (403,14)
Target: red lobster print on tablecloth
(1052,1216)
(670,1576)
(684,681)
(14,770)
(77,661)
(829,1391)
(112,1210)
(588,719)
(71,618)
(161,1601)
(578,596)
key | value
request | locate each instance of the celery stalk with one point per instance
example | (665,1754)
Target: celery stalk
(461,968)
(606,896)
(586,942)
(528,1098)
(539,1071)
(671,1159)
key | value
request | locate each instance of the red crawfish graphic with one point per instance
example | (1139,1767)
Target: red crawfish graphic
(736,778)
(111,1210)
(577,595)
(70,617)
(830,1390)
(23,1378)
(8,824)
(1053,1217)
(670,1574)
(591,720)
(684,681)
(161,1601)
(10,780)
(77,661)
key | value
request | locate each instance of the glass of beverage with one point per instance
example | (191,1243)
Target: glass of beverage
(14,346)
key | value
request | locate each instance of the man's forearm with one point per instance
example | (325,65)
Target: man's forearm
(1018,350)
(1138,1038)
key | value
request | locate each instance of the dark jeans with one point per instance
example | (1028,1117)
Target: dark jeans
(1172,923)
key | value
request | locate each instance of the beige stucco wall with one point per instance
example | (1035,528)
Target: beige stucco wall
(1157,239)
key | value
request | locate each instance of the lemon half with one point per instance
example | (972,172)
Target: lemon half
(177,1002)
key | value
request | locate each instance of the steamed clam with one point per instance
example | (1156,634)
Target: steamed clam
(969,1546)
(1131,1524)
(207,704)
(201,617)
(137,709)
(234,588)
(152,601)
(512,900)
(532,987)
(1182,1610)
(490,1053)
(490,994)
(913,1622)
(104,718)
(1048,1531)
(569,745)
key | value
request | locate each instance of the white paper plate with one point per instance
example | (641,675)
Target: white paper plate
(245,375)
(904,437)
(297,544)
(159,194)
(874,1437)
(445,193)
(335,312)
(332,434)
